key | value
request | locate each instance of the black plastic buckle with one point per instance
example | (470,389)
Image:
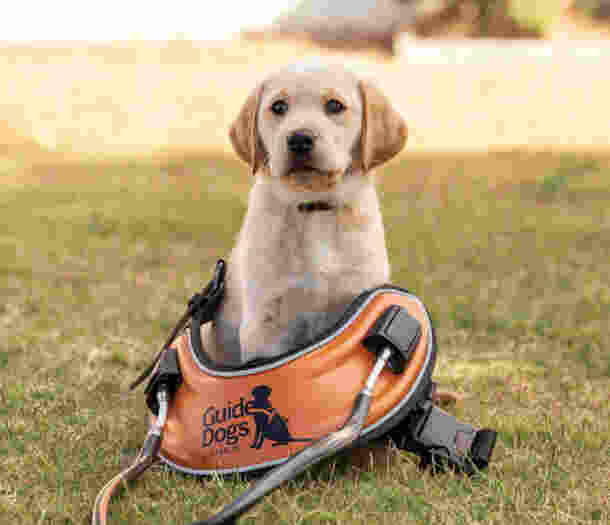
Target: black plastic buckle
(168,374)
(211,295)
(442,441)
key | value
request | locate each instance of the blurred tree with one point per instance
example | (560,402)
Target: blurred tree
(350,24)
(379,24)
(597,9)
(488,9)
(473,18)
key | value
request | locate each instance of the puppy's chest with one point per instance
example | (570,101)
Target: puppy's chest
(313,256)
(316,247)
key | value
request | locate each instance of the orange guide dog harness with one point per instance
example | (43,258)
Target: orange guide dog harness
(367,377)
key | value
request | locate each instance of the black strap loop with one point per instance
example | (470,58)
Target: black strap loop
(167,375)
(399,331)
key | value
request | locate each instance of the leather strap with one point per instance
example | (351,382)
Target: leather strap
(203,304)
(146,458)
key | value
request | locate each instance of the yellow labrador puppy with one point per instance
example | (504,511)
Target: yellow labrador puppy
(313,237)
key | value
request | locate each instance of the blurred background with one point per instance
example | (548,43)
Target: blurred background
(119,190)
(154,78)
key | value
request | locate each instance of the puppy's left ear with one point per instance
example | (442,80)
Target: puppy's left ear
(244,132)
(384,131)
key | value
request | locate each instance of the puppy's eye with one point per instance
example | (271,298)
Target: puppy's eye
(334,106)
(279,107)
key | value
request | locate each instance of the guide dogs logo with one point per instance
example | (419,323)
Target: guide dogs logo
(269,424)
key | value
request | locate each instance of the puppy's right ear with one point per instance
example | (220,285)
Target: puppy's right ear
(384,131)
(244,132)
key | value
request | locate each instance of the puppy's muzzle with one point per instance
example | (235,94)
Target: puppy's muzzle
(301,143)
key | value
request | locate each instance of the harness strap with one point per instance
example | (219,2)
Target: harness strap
(100,508)
(205,303)
(442,441)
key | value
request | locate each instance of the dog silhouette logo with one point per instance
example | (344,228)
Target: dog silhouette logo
(269,423)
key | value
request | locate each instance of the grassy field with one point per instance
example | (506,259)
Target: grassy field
(98,260)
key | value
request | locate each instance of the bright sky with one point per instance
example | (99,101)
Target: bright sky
(141,19)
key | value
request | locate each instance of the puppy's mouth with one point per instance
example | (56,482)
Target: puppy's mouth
(304,168)
(305,177)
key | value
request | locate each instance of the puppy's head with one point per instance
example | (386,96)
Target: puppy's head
(314,127)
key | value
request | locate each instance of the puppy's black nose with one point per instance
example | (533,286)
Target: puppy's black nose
(300,142)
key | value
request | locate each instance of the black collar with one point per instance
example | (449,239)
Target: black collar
(310,206)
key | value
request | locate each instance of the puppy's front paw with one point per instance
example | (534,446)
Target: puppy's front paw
(446,397)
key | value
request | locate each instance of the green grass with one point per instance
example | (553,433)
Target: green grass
(539,14)
(97,261)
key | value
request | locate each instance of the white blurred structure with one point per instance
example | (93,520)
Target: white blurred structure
(477,95)
(349,23)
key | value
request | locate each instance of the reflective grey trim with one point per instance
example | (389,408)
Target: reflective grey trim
(307,350)
(221,471)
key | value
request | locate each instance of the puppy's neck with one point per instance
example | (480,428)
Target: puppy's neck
(313,206)
(278,239)
(355,195)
